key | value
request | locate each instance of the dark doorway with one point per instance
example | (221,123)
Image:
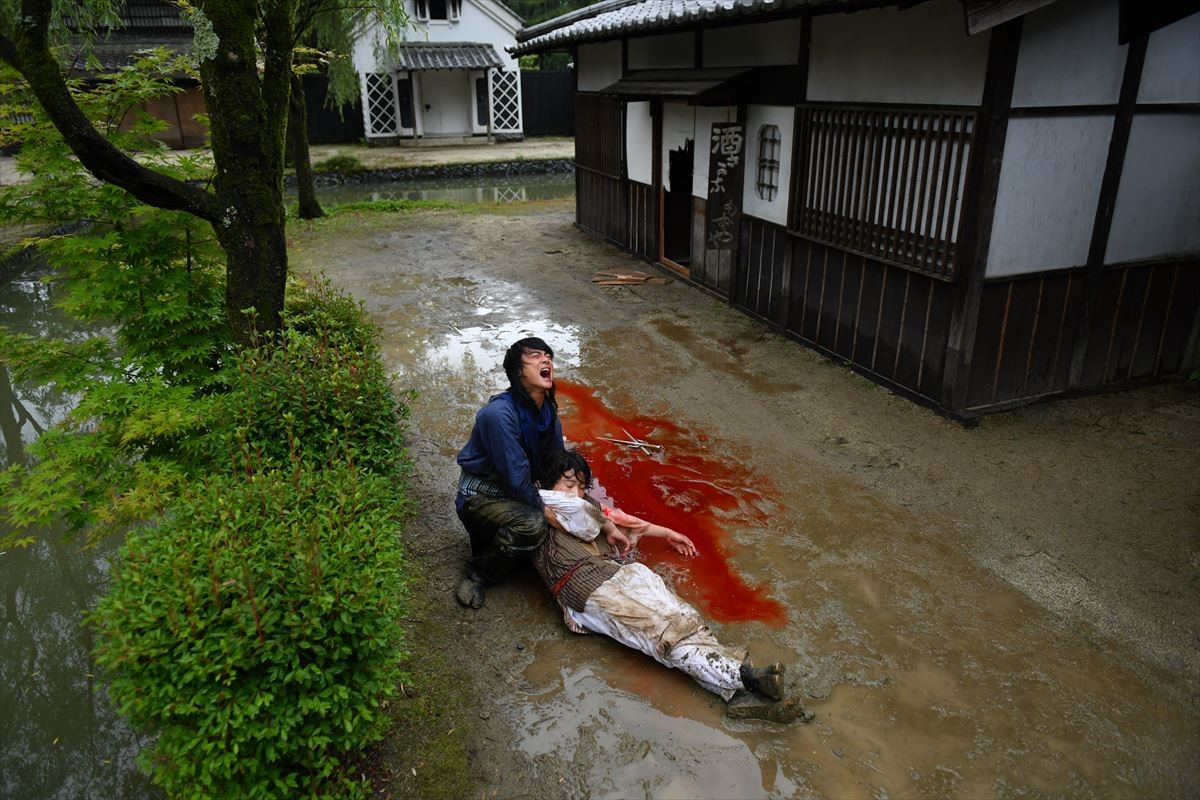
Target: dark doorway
(404,91)
(677,206)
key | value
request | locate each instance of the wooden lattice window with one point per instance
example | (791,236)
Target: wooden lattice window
(767,183)
(887,183)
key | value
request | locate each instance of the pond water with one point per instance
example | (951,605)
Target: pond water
(487,189)
(59,735)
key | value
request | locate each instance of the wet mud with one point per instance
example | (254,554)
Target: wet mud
(939,599)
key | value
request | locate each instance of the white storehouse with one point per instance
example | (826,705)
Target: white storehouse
(978,204)
(452,77)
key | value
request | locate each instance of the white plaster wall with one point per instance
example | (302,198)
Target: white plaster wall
(920,55)
(756,116)
(1157,212)
(705,117)
(639,142)
(597,66)
(1172,70)
(481,21)
(679,125)
(1049,188)
(766,43)
(484,22)
(363,54)
(1069,55)
(662,52)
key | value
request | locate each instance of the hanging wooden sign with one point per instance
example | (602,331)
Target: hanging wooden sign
(724,208)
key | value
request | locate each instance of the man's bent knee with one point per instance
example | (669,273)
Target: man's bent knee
(519,528)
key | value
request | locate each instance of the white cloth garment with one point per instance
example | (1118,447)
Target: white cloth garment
(636,608)
(577,516)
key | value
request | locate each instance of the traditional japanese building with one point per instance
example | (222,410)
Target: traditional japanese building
(451,77)
(976,204)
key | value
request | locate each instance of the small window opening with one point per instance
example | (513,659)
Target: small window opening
(439,10)
(767,184)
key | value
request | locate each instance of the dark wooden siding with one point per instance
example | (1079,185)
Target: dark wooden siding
(764,260)
(1128,340)
(598,137)
(711,268)
(886,320)
(1026,336)
(329,125)
(601,197)
(548,102)
(600,205)
(643,220)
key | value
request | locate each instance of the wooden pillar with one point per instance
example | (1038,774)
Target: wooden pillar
(1135,59)
(797,176)
(979,206)
(488,81)
(418,106)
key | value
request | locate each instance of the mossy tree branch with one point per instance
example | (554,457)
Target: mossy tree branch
(26,47)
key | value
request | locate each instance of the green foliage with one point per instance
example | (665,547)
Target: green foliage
(252,622)
(339,163)
(395,206)
(535,11)
(318,391)
(333,27)
(74,22)
(256,628)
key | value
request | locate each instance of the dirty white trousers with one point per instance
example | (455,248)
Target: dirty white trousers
(636,608)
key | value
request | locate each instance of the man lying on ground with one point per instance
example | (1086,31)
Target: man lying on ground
(632,604)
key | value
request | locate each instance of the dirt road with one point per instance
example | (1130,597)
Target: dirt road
(1009,610)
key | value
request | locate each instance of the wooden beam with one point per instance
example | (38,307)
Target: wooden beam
(1135,59)
(796,177)
(979,207)
(983,15)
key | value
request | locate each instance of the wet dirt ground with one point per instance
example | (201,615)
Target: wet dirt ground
(1012,610)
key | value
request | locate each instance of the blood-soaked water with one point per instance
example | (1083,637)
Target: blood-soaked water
(682,487)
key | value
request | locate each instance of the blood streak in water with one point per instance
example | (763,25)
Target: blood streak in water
(682,488)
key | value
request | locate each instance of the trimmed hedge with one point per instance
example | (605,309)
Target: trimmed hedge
(257,630)
(255,626)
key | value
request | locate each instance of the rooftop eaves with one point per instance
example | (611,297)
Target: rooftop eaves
(613,18)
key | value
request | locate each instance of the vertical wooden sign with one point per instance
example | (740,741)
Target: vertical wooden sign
(724,186)
(723,211)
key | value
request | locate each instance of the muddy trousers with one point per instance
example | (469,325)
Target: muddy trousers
(636,608)
(503,533)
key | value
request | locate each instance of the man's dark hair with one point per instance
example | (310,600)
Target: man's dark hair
(563,462)
(512,368)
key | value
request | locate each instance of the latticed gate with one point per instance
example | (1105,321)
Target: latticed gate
(506,100)
(379,105)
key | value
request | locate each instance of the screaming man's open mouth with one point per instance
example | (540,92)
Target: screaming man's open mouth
(545,373)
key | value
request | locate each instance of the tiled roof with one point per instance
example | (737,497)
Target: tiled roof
(146,15)
(119,50)
(613,18)
(447,55)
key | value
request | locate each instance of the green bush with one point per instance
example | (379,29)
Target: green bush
(317,390)
(256,629)
(252,622)
(340,163)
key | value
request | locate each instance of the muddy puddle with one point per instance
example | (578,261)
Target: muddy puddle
(929,676)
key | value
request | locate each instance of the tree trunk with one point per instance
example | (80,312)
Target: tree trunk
(298,144)
(248,117)
(247,103)
(255,276)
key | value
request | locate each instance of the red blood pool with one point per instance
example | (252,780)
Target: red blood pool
(683,487)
